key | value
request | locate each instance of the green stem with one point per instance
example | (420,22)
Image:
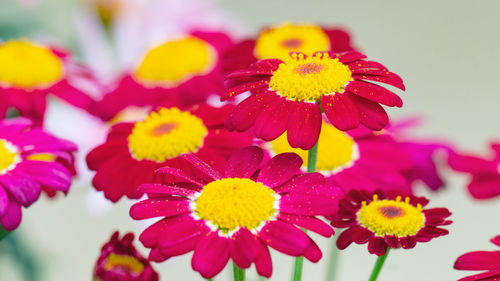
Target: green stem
(3,233)
(333,261)
(312,156)
(378,266)
(239,274)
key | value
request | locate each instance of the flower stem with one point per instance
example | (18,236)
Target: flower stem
(378,266)
(333,261)
(312,156)
(3,233)
(239,274)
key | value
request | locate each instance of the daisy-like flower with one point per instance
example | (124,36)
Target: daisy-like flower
(238,213)
(120,261)
(484,172)
(133,151)
(290,95)
(180,72)
(481,260)
(24,87)
(357,158)
(276,42)
(27,165)
(385,221)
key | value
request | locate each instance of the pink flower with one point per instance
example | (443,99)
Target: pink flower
(139,148)
(291,95)
(481,260)
(278,41)
(120,261)
(392,220)
(484,172)
(237,214)
(30,160)
(181,72)
(25,88)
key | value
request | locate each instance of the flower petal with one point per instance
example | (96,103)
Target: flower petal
(210,255)
(243,163)
(151,208)
(273,120)
(341,111)
(304,125)
(280,169)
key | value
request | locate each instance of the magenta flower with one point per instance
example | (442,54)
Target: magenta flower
(120,261)
(485,172)
(25,88)
(28,165)
(292,95)
(481,260)
(237,214)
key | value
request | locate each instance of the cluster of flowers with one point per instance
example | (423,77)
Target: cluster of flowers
(309,146)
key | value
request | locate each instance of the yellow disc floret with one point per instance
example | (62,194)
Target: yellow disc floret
(309,78)
(336,149)
(9,156)
(174,62)
(27,65)
(125,262)
(279,41)
(166,134)
(391,217)
(235,202)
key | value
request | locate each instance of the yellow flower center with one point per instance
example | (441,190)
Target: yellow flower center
(279,41)
(9,156)
(123,261)
(391,217)
(300,78)
(230,203)
(336,149)
(47,157)
(166,134)
(27,65)
(174,62)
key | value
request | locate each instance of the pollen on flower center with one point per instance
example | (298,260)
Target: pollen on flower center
(336,149)
(9,156)
(176,61)
(166,134)
(27,65)
(230,203)
(391,217)
(124,262)
(309,78)
(279,41)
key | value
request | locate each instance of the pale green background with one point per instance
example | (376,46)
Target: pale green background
(447,53)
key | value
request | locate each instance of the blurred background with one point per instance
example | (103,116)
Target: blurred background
(446,51)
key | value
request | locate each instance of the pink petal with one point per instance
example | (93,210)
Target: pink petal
(341,111)
(372,114)
(263,263)
(73,96)
(310,223)
(254,86)
(12,127)
(12,217)
(471,164)
(161,189)
(243,248)
(181,175)
(377,246)
(4,201)
(245,113)
(210,255)
(285,238)
(151,235)
(280,169)
(273,120)
(151,208)
(308,179)
(304,125)
(48,174)
(493,275)
(202,166)
(313,253)
(24,189)
(244,163)
(496,240)
(381,79)
(479,260)
(348,57)
(374,93)
(345,238)
(182,238)
(484,186)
